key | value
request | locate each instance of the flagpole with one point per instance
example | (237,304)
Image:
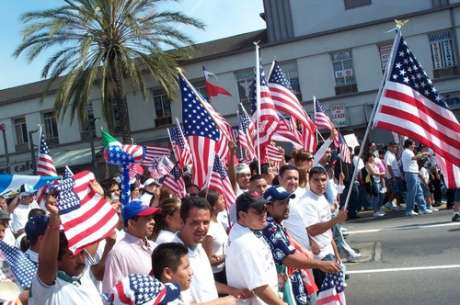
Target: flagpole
(258,104)
(314,119)
(371,118)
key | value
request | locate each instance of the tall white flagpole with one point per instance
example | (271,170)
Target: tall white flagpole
(258,103)
(374,110)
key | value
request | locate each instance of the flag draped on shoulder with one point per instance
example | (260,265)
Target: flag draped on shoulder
(86,216)
(411,106)
(23,269)
(201,132)
(212,89)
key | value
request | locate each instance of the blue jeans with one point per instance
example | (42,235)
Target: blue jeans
(414,192)
(376,199)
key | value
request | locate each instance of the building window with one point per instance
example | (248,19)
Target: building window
(20,128)
(290,69)
(439,3)
(385,51)
(50,128)
(349,4)
(245,80)
(443,54)
(162,108)
(88,126)
(345,82)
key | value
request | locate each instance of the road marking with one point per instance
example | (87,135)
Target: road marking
(427,226)
(404,269)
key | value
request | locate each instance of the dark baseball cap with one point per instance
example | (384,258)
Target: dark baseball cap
(250,200)
(136,208)
(36,226)
(277,193)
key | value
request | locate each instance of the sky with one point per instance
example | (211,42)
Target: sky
(223,18)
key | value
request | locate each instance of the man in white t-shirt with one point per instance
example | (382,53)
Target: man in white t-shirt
(411,170)
(20,212)
(196,215)
(392,174)
(60,278)
(319,221)
(249,258)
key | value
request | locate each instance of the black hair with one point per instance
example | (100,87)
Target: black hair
(210,195)
(356,150)
(36,212)
(256,177)
(167,255)
(254,167)
(190,202)
(264,168)
(317,170)
(287,167)
(408,143)
(167,207)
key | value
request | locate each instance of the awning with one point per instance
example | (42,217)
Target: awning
(74,157)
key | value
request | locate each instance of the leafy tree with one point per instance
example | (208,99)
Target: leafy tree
(107,45)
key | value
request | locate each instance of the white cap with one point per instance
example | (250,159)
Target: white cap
(242,168)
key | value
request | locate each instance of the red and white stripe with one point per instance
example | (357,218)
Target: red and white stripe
(45,166)
(450,172)
(177,186)
(287,132)
(223,186)
(331,297)
(152,153)
(407,112)
(202,149)
(93,221)
(136,151)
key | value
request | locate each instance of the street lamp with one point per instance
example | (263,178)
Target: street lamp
(32,152)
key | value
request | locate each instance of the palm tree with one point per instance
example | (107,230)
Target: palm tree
(108,45)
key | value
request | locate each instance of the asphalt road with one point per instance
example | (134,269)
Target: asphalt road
(405,260)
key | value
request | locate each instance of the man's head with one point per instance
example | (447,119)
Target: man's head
(393,147)
(114,188)
(303,160)
(3,203)
(326,158)
(289,177)
(35,230)
(268,172)
(71,264)
(243,175)
(257,184)
(251,211)
(138,219)
(317,178)
(171,265)
(409,144)
(196,215)
(278,202)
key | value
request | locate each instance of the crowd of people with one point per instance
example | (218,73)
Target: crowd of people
(285,242)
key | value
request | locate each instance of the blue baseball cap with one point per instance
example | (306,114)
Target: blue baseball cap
(136,208)
(277,193)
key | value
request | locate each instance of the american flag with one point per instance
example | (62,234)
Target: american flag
(246,131)
(201,132)
(322,121)
(137,289)
(284,98)
(411,106)
(154,152)
(287,132)
(21,266)
(274,155)
(268,117)
(175,182)
(86,216)
(161,167)
(220,182)
(45,164)
(332,290)
(45,167)
(180,146)
(344,151)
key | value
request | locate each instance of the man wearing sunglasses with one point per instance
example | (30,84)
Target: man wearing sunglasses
(248,254)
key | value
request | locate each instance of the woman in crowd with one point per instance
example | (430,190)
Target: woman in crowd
(373,180)
(168,222)
(303,160)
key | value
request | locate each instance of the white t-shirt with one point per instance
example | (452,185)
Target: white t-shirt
(316,209)
(63,291)
(165,236)
(359,163)
(390,160)
(20,214)
(425,175)
(220,239)
(250,263)
(409,165)
(295,223)
(203,287)
(9,237)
